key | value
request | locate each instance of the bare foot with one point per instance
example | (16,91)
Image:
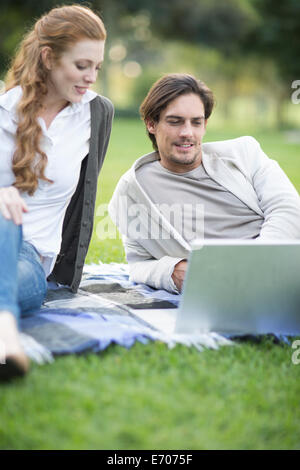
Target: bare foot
(13,361)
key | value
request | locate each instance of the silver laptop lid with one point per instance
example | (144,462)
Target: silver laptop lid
(242,287)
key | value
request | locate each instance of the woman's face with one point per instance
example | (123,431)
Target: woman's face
(76,71)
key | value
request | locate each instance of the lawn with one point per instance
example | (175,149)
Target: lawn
(150,397)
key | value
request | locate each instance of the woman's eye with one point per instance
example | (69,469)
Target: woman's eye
(80,67)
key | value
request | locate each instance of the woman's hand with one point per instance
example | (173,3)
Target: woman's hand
(12,205)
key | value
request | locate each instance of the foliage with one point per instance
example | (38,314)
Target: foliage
(215,23)
(231,44)
(277,35)
(16,18)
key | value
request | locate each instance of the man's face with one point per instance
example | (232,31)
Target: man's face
(179,133)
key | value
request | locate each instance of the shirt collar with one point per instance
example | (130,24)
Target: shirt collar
(75,107)
(9,101)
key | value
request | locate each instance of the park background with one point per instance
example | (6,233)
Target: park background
(149,397)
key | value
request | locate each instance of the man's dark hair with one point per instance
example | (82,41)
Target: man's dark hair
(166,89)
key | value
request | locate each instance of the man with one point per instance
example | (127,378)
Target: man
(156,205)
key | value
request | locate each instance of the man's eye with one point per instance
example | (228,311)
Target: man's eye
(80,67)
(174,122)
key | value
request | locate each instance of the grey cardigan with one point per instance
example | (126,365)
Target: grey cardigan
(79,217)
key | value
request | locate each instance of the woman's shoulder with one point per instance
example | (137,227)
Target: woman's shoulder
(8,109)
(103,101)
(97,102)
(102,107)
(9,99)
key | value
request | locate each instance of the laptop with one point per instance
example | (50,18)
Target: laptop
(236,287)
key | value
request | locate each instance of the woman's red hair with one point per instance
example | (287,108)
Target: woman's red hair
(59,29)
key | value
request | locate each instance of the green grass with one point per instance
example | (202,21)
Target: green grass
(150,397)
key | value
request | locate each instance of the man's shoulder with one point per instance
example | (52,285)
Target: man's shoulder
(230,146)
(137,164)
(128,179)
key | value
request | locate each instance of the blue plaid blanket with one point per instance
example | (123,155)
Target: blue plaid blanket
(95,317)
(99,314)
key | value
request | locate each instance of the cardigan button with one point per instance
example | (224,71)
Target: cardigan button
(84,224)
(87,203)
(88,181)
(79,266)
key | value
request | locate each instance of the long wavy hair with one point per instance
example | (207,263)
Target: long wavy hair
(59,29)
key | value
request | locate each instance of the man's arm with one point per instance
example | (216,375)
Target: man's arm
(149,262)
(157,273)
(278,198)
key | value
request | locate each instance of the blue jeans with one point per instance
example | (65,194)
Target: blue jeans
(23,284)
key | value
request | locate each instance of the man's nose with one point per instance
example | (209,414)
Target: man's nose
(186,130)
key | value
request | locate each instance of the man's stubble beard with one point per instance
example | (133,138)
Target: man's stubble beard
(174,159)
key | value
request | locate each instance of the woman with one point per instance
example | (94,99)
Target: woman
(54,133)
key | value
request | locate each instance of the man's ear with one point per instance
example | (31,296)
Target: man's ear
(151,126)
(46,56)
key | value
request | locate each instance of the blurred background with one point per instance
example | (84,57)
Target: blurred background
(247,51)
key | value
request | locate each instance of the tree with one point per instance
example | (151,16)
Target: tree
(276,36)
(215,23)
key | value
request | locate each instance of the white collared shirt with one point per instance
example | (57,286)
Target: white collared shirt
(66,143)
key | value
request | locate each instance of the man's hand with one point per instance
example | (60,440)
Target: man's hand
(179,274)
(12,205)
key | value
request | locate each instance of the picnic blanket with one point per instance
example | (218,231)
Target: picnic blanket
(99,314)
